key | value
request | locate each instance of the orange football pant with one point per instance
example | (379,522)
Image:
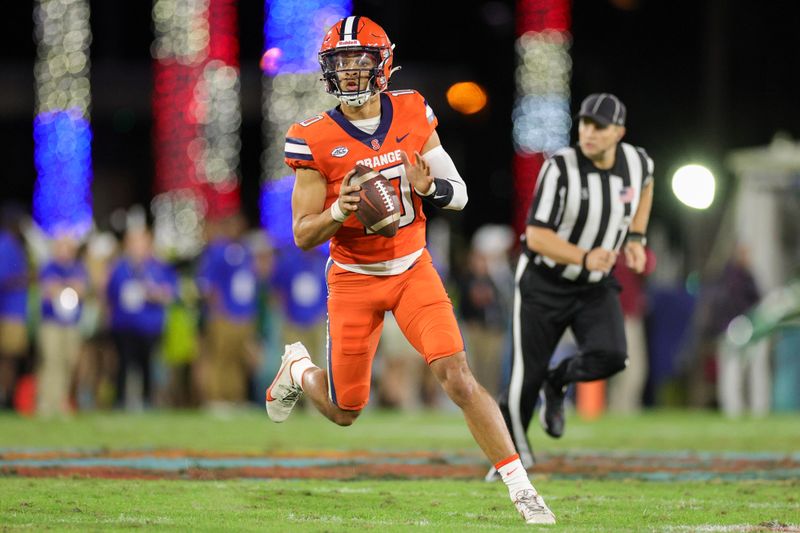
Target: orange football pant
(356,307)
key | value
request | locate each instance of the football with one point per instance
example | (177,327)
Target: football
(379,207)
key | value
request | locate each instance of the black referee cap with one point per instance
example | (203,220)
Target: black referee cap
(603,108)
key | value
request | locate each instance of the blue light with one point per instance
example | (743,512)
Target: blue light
(62,197)
(541,123)
(293,31)
(276,212)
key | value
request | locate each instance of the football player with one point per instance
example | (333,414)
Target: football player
(393,132)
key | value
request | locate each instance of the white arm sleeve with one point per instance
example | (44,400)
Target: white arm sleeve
(442,167)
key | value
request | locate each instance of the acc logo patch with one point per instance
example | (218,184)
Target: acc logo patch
(339,151)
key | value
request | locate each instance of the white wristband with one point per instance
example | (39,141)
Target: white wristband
(430,190)
(336,212)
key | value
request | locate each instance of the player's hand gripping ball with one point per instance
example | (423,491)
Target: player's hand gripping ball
(378,207)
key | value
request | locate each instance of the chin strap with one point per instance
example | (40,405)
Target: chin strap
(394,69)
(354,101)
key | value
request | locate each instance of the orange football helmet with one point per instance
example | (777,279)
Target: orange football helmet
(360,46)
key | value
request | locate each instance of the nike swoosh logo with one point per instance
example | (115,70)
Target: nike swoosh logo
(400,139)
(439,196)
(511,472)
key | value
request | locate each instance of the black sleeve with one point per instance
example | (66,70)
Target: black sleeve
(442,194)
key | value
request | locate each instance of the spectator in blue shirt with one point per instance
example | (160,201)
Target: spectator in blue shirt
(139,288)
(299,282)
(228,283)
(13,301)
(63,281)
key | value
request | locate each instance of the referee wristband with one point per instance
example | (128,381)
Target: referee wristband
(336,212)
(635,236)
(583,262)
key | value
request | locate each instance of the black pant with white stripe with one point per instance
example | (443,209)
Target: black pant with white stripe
(544,307)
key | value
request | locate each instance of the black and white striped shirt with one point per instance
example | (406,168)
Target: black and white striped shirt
(587,206)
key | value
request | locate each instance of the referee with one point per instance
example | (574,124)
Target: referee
(592,200)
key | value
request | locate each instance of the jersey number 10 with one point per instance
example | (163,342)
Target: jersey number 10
(398,172)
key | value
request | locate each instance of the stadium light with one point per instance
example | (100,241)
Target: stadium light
(694,186)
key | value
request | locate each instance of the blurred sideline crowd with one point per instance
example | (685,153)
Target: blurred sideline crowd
(101,322)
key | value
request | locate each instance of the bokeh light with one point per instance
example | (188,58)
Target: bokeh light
(467,97)
(62,196)
(294,29)
(276,210)
(291,90)
(218,94)
(694,185)
(276,213)
(181,31)
(270,60)
(178,227)
(541,116)
(196,113)
(62,200)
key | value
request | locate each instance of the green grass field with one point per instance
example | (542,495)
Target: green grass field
(581,503)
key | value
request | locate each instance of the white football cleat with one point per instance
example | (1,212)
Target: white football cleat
(492,475)
(283,394)
(532,507)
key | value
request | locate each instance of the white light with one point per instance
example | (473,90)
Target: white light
(694,186)
(221,120)
(62,65)
(178,228)
(541,113)
(287,98)
(181,30)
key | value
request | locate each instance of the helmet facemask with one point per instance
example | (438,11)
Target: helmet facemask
(354,74)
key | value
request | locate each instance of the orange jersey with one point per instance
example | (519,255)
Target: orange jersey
(331,145)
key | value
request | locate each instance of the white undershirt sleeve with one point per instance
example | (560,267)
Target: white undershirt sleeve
(442,167)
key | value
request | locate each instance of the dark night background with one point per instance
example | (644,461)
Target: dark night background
(699,78)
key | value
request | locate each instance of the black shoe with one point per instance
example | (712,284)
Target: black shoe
(551,413)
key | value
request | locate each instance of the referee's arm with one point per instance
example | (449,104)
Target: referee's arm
(635,256)
(545,241)
(642,216)
(544,216)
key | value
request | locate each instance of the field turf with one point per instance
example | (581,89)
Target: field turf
(638,490)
